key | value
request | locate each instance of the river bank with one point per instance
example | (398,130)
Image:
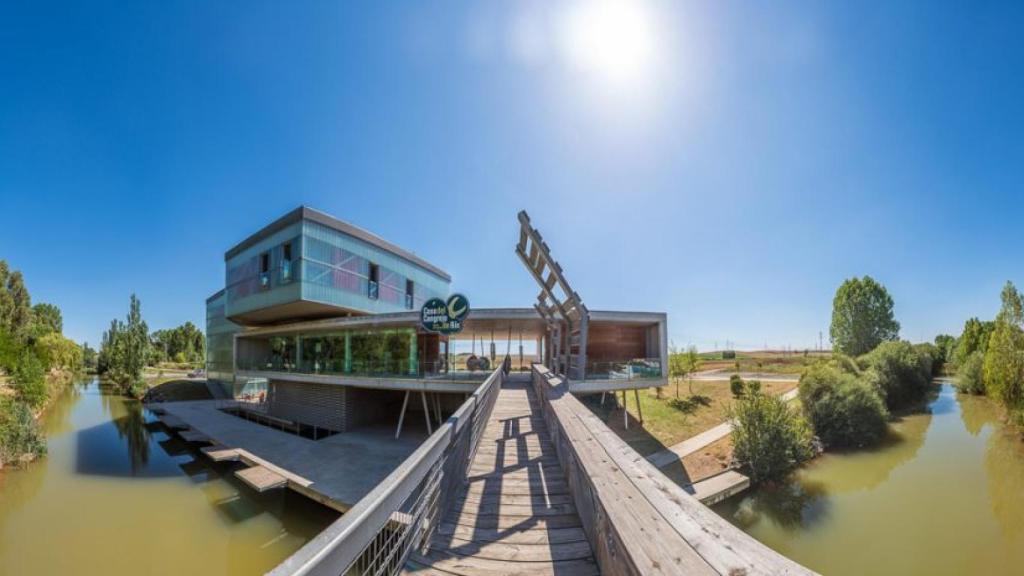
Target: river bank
(20,439)
(943,494)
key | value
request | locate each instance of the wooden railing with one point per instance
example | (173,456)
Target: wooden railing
(376,536)
(636,519)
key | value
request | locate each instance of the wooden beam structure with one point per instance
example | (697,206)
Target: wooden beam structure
(558,304)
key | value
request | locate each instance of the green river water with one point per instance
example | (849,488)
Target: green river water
(119,496)
(944,495)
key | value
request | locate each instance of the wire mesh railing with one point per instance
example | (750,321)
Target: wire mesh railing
(377,535)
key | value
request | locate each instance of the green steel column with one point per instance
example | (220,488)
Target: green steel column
(412,352)
(348,352)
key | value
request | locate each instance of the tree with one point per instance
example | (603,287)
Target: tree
(184,344)
(56,351)
(770,439)
(945,344)
(736,385)
(691,362)
(844,410)
(676,367)
(125,350)
(1004,358)
(89,357)
(900,372)
(18,311)
(862,317)
(970,378)
(30,380)
(974,338)
(46,319)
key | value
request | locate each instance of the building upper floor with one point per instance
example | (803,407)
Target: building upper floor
(309,265)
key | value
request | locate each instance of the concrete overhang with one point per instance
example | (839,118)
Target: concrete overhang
(479,319)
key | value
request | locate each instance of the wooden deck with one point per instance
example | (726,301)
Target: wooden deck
(515,514)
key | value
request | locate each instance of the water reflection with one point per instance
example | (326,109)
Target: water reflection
(789,505)
(113,475)
(943,495)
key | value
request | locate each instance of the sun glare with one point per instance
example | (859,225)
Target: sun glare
(613,39)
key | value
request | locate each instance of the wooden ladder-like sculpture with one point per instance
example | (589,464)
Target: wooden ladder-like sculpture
(561,307)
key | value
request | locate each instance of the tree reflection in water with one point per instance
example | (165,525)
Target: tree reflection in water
(791,505)
(131,428)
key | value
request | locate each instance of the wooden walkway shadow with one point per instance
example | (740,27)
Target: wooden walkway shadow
(514,514)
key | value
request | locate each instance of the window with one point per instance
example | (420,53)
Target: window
(408,294)
(374,281)
(286,263)
(265,270)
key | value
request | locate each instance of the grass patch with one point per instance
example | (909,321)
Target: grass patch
(668,420)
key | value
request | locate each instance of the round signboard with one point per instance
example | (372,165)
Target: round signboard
(444,317)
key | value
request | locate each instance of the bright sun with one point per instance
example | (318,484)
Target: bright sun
(610,38)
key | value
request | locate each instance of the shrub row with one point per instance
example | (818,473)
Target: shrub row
(848,402)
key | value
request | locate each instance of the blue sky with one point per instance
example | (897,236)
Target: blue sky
(725,162)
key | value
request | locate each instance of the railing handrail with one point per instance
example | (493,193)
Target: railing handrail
(340,545)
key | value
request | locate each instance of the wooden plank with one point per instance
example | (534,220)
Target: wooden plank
(514,514)
(261,479)
(517,499)
(219,453)
(486,567)
(506,552)
(628,506)
(713,490)
(527,536)
(496,508)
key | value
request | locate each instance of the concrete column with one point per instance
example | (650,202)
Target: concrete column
(298,352)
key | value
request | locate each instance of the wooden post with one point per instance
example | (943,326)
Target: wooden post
(625,413)
(639,410)
(401,415)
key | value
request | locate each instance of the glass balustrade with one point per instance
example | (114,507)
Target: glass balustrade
(636,369)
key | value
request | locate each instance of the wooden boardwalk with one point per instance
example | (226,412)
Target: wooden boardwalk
(514,515)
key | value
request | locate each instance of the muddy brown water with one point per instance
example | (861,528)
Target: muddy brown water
(118,495)
(944,495)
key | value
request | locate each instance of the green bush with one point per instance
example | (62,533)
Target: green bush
(970,378)
(736,385)
(844,410)
(30,380)
(770,439)
(845,364)
(753,386)
(899,372)
(930,356)
(19,432)
(729,355)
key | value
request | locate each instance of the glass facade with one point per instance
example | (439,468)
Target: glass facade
(349,352)
(220,334)
(337,268)
(308,261)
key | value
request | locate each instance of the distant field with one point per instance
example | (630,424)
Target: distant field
(764,361)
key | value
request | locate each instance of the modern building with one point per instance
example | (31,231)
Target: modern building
(322,320)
